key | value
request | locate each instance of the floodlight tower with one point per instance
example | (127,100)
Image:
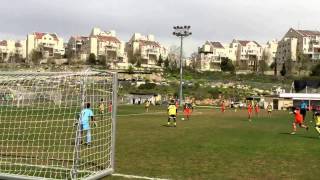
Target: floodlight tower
(181,32)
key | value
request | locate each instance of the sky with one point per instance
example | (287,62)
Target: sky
(214,20)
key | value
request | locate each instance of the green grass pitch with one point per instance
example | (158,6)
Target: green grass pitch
(212,145)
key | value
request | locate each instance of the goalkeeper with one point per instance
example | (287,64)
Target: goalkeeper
(86,117)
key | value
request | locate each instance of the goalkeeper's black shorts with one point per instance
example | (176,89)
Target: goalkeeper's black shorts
(172,116)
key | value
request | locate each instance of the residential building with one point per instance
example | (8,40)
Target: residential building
(210,56)
(12,51)
(77,47)
(296,43)
(105,45)
(247,54)
(269,51)
(147,49)
(48,44)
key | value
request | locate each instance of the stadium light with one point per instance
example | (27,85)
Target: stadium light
(181,32)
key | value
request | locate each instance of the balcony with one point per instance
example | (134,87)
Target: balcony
(48,45)
(111,48)
(252,52)
(152,51)
(315,56)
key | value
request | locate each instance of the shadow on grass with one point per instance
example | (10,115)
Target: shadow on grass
(166,125)
(286,133)
(301,136)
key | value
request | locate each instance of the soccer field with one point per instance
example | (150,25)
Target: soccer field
(213,145)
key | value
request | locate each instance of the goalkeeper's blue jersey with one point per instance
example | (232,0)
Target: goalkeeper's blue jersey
(85,118)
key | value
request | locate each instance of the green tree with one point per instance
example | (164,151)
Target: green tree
(263,66)
(315,70)
(130,70)
(303,62)
(283,71)
(160,61)
(92,59)
(226,65)
(103,60)
(272,65)
(36,56)
(166,63)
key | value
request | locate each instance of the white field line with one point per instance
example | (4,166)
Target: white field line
(137,177)
(140,114)
(155,113)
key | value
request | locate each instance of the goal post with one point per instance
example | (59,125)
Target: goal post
(45,131)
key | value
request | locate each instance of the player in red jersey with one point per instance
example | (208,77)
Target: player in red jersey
(257,109)
(223,107)
(298,119)
(249,107)
(187,110)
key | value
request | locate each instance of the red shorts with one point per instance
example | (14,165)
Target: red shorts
(298,121)
(187,112)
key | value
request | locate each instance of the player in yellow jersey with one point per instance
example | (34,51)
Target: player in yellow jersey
(317,120)
(269,109)
(172,113)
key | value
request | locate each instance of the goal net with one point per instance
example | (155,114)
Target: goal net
(46,131)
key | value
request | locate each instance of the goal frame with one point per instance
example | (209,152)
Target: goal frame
(99,174)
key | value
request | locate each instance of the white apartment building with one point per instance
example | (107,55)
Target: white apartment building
(100,43)
(106,43)
(49,44)
(295,42)
(210,56)
(247,54)
(147,48)
(78,47)
(270,51)
(11,51)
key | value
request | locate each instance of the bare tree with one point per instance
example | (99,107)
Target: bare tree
(174,56)
(263,65)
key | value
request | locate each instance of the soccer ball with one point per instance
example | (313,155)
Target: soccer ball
(182,119)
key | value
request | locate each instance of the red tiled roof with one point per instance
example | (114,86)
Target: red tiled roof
(309,33)
(245,42)
(39,35)
(55,37)
(108,39)
(217,45)
(18,44)
(149,43)
(80,38)
(3,43)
